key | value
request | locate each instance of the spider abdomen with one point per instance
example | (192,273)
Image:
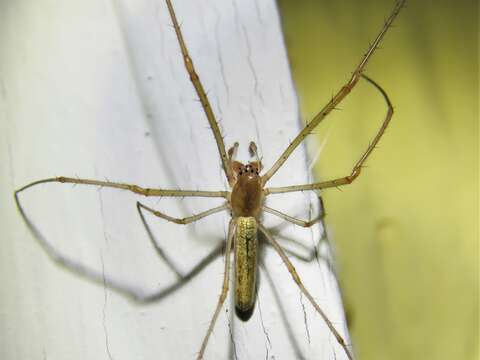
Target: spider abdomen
(245,266)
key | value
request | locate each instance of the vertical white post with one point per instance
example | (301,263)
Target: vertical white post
(98,90)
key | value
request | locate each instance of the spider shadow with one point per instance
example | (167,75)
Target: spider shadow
(99,278)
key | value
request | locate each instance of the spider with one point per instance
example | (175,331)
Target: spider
(248,190)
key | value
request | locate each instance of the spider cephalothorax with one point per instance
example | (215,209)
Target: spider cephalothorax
(247,193)
(246,198)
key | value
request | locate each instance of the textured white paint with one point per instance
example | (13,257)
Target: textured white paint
(98,89)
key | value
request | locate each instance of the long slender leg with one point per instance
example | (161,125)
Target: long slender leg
(133,188)
(339,96)
(299,282)
(159,250)
(183,221)
(291,219)
(223,295)
(358,166)
(186,220)
(194,78)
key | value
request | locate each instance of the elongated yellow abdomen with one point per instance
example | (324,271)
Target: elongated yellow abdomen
(245,265)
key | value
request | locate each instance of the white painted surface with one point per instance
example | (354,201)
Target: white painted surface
(98,90)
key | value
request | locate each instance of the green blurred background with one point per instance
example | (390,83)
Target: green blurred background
(406,232)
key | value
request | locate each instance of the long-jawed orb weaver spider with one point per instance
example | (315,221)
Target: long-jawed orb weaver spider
(248,187)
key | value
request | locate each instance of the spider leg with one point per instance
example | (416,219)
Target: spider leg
(194,78)
(183,221)
(291,219)
(133,188)
(339,96)
(299,283)
(358,166)
(158,249)
(223,295)
(186,220)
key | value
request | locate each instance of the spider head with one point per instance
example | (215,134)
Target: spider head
(250,170)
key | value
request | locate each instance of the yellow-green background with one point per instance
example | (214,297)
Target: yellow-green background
(406,232)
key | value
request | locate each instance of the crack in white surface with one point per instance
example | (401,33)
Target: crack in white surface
(232,340)
(305,320)
(104,310)
(268,343)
